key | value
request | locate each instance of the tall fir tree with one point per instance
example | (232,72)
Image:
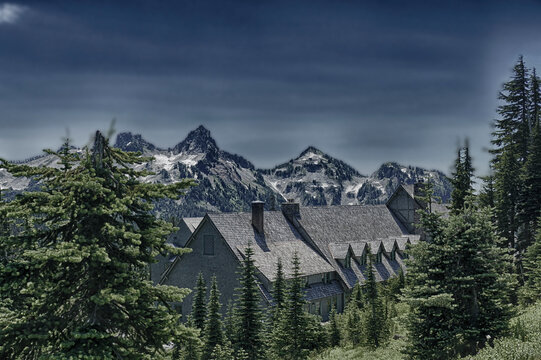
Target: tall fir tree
(354,328)
(375,324)
(462,179)
(199,307)
(76,283)
(290,335)
(249,319)
(357,296)
(531,291)
(486,195)
(278,291)
(213,333)
(334,331)
(530,195)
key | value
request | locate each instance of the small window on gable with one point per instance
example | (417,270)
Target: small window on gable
(363,258)
(393,254)
(348,261)
(378,257)
(208,245)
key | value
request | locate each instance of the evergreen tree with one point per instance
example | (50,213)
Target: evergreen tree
(189,346)
(289,336)
(250,322)
(530,199)
(357,296)
(531,292)
(486,195)
(278,291)
(462,179)
(76,283)
(375,324)
(334,330)
(459,286)
(213,333)
(199,307)
(353,324)
(230,325)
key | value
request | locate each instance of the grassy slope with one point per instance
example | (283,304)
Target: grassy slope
(523,344)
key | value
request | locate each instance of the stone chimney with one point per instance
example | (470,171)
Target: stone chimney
(257,215)
(290,208)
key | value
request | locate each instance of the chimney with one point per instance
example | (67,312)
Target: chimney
(257,215)
(290,208)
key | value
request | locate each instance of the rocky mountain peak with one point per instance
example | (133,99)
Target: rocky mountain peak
(127,141)
(197,141)
(311,150)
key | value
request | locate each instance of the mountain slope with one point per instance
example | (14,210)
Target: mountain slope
(229,182)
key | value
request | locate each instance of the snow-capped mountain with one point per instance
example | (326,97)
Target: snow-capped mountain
(229,182)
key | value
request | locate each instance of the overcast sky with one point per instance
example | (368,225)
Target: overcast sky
(366,82)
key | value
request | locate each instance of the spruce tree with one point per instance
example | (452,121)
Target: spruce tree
(357,296)
(531,291)
(354,328)
(334,330)
(290,335)
(530,197)
(213,333)
(76,283)
(278,291)
(199,307)
(462,179)
(249,318)
(375,323)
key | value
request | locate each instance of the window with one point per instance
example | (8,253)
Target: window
(363,258)
(208,245)
(393,254)
(347,264)
(378,257)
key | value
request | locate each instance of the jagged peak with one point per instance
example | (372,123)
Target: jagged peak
(198,140)
(132,142)
(311,149)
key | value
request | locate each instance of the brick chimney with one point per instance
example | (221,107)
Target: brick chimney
(257,215)
(290,209)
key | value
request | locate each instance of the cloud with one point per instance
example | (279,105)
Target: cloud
(10,13)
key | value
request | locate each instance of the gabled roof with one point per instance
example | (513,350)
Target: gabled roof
(349,224)
(280,241)
(192,223)
(339,251)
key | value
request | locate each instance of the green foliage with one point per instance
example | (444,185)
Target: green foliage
(458,286)
(354,330)
(213,332)
(278,291)
(199,307)
(375,323)
(531,291)
(290,336)
(357,296)
(462,179)
(74,268)
(249,318)
(334,331)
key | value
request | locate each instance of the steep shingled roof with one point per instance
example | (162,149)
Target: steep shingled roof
(192,223)
(280,240)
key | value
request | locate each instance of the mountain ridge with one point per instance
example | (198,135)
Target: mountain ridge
(230,182)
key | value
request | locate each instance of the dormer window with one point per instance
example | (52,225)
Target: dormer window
(393,254)
(347,263)
(363,258)
(379,257)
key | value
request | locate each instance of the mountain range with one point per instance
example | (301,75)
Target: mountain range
(229,182)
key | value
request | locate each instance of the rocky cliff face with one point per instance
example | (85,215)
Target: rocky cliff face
(229,182)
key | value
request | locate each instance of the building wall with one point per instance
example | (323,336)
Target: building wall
(223,264)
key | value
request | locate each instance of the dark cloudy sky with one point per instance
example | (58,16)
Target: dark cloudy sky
(365,81)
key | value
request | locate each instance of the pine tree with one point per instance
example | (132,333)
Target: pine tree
(76,283)
(334,330)
(278,291)
(486,195)
(530,196)
(531,291)
(289,336)
(213,333)
(375,324)
(357,296)
(249,318)
(462,179)
(354,328)
(458,286)
(199,307)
